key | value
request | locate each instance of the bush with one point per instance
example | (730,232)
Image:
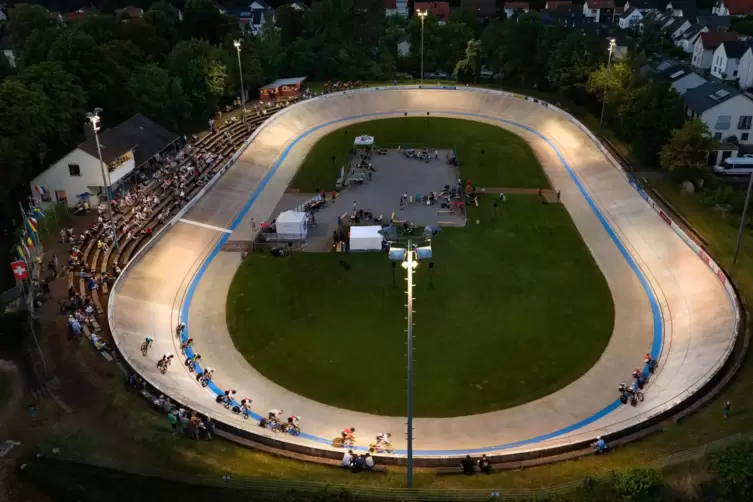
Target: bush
(639,485)
(733,469)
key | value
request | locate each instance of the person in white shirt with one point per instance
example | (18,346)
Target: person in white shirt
(369,461)
(347,459)
(275,415)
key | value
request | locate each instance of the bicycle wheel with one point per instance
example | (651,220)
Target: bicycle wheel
(640,396)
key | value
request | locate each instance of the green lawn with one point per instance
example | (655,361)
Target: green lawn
(488,335)
(507,161)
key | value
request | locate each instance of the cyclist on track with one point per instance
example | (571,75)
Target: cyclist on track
(148,341)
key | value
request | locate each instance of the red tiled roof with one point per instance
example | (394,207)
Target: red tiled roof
(517,5)
(739,7)
(556,4)
(713,39)
(439,9)
(390,4)
(75,16)
(600,4)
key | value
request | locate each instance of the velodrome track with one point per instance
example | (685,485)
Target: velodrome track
(668,300)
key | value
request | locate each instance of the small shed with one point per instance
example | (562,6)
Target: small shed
(292,225)
(281,88)
(366,238)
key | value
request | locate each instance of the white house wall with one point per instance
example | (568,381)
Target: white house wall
(58,177)
(736,107)
(745,70)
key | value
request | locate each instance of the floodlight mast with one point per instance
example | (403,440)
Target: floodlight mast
(409,264)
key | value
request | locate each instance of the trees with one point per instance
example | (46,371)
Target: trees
(648,116)
(572,61)
(685,155)
(617,79)
(467,69)
(24,19)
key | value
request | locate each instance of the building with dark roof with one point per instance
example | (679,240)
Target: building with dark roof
(725,110)
(706,44)
(681,78)
(125,148)
(726,59)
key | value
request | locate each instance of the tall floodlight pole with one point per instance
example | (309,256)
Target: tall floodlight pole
(606,82)
(422,14)
(742,222)
(94,120)
(410,264)
(237,44)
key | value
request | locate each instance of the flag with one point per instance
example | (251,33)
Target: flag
(38,213)
(40,189)
(33,223)
(19,270)
(21,254)
(29,242)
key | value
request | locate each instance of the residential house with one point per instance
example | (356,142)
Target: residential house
(652,17)
(482,8)
(681,79)
(440,10)
(726,111)
(298,5)
(682,8)
(176,11)
(726,59)
(557,4)
(631,18)
(81,14)
(719,22)
(600,10)
(395,7)
(642,6)
(677,27)
(251,19)
(569,16)
(3,14)
(511,8)
(688,38)
(6,45)
(130,12)
(706,44)
(57,16)
(124,149)
(736,8)
(745,69)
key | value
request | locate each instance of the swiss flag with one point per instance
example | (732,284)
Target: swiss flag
(19,270)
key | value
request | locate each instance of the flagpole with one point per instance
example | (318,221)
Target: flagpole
(29,297)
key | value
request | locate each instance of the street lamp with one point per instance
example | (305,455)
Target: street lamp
(606,81)
(93,119)
(410,263)
(237,44)
(422,14)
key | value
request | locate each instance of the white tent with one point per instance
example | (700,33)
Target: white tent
(366,238)
(364,140)
(292,225)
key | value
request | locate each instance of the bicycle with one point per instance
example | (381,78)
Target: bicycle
(145,347)
(383,447)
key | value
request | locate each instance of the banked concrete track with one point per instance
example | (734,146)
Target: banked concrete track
(670,298)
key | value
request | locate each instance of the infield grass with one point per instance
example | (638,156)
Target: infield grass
(498,328)
(490,156)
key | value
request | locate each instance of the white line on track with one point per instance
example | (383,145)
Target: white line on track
(198,224)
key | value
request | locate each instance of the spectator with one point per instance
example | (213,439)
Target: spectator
(484,465)
(358,463)
(173,421)
(209,428)
(469,467)
(347,460)
(369,462)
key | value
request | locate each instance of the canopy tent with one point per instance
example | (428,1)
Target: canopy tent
(364,140)
(282,87)
(366,238)
(292,225)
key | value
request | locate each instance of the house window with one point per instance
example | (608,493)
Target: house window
(74,169)
(718,135)
(722,122)
(744,136)
(745,122)
(734,73)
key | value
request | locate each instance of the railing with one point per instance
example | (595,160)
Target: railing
(266,485)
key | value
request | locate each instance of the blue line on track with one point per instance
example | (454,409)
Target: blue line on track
(658,326)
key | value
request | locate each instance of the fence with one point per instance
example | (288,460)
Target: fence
(270,486)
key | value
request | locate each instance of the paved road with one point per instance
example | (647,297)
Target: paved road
(666,299)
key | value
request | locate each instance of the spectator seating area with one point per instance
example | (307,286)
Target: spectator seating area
(94,261)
